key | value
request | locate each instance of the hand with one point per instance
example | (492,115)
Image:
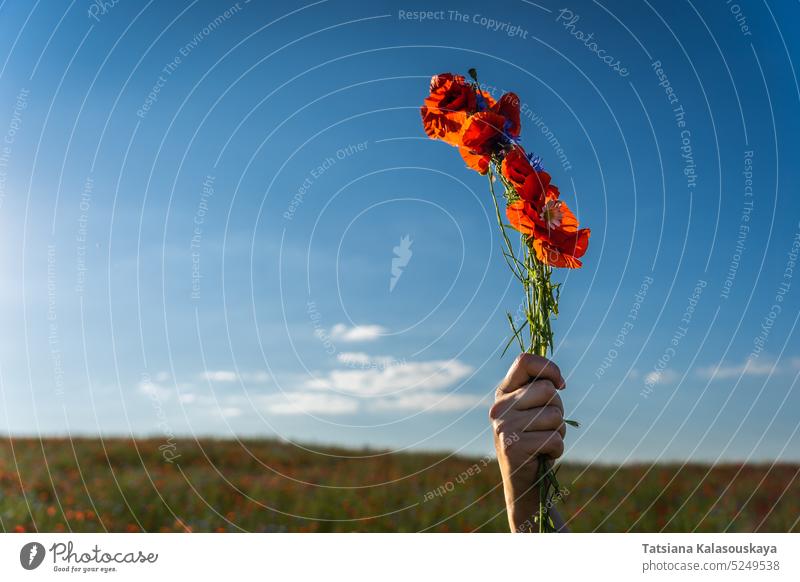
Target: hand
(528,420)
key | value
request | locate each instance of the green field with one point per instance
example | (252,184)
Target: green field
(263,485)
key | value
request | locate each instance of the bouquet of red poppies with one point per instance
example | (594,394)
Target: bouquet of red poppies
(486,133)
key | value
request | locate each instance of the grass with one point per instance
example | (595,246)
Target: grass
(264,485)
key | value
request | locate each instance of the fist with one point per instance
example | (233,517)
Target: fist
(527,420)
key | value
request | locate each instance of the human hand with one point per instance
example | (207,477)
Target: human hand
(528,420)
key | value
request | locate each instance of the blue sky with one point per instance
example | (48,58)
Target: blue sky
(200,206)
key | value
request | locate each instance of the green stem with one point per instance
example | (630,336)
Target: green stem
(541,305)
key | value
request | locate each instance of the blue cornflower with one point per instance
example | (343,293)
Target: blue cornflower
(536,162)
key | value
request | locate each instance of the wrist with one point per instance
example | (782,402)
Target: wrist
(522,505)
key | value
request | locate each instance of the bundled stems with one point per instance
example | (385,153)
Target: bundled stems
(532,331)
(463,115)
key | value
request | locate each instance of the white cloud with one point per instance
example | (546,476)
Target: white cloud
(750,367)
(229,376)
(372,384)
(395,377)
(428,402)
(362,360)
(309,403)
(230,411)
(226,407)
(256,377)
(354,358)
(660,377)
(155,391)
(357,333)
(219,376)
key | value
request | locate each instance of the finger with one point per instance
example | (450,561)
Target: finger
(543,442)
(524,447)
(544,418)
(537,393)
(532,395)
(536,419)
(529,367)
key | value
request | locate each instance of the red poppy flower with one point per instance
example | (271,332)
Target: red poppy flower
(464,116)
(537,188)
(482,131)
(450,102)
(556,238)
(477,162)
(508,107)
(516,167)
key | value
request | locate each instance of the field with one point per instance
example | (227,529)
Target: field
(264,485)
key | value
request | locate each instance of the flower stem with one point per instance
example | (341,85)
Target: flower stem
(540,305)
